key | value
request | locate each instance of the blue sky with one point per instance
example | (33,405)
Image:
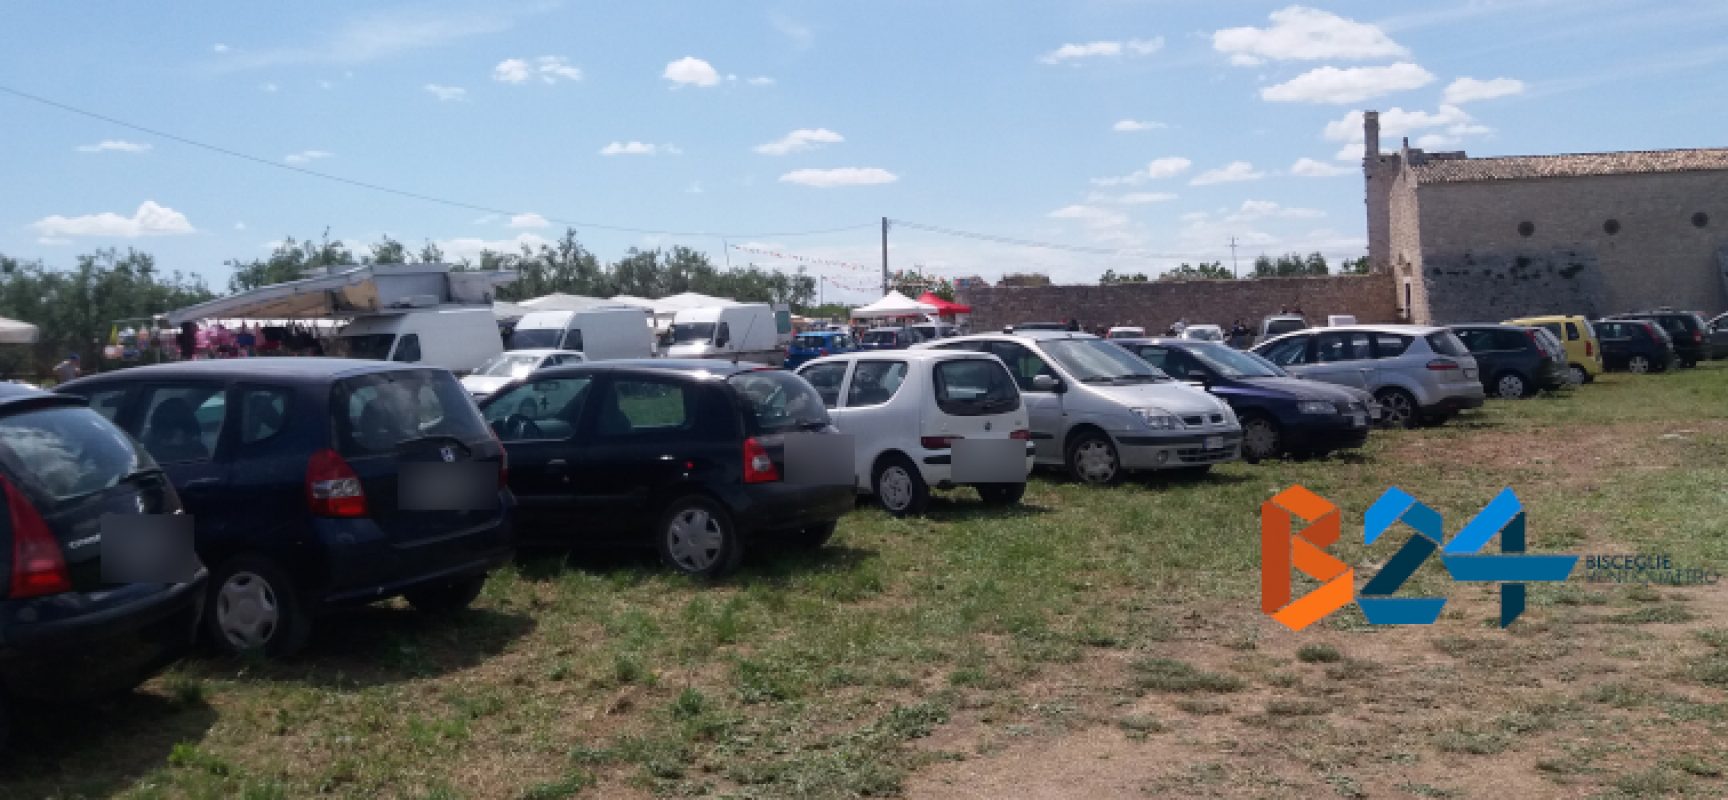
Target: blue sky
(1153,130)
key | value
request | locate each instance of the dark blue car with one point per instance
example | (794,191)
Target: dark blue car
(1280,414)
(816,344)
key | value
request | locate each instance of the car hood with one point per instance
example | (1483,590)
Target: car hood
(1303,389)
(484,384)
(1175,397)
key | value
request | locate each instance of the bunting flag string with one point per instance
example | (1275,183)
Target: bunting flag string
(826,262)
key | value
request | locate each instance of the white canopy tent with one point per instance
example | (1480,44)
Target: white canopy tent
(558,301)
(893,304)
(14,332)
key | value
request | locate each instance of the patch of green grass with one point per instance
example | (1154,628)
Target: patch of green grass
(1318,654)
(1202,707)
(1695,765)
(1654,782)
(1472,739)
(1351,670)
(1141,724)
(1169,675)
(1663,614)
(1295,707)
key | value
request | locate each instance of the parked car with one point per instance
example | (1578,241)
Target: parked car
(1418,373)
(307,480)
(1280,414)
(67,631)
(816,344)
(688,456)
(935,330)
(1040,326)
(926,418)
(1099,411)
(1515,361)
(1279,324)
(1685,328)
(1717,335)
(887,339)
(1583,351)
(514,364)
(1634,345)
(1203,333)
(1125,332)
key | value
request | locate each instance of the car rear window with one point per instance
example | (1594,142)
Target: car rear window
(971,387)
(67,452)
(882,337)
(378,412)
(779,401)
(1446,344)
(1387,345)
(1279,327)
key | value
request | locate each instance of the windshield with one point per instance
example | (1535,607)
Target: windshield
(882,337)
(813,342)
(375,346)
(779,401)
(530,338)
(67,452)
(378,411)
(692,332)
(1097,361)
(1279,327)
(1233,363)
(508,366)
(1204,334)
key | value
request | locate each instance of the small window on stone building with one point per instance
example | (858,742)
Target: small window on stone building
(1526,228)
(1611,227)
(1700,219)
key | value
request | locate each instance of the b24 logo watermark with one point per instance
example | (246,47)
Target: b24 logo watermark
(1284,547)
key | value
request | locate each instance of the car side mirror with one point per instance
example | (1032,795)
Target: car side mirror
(1046,383)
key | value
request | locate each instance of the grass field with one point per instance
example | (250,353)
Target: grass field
(1092,643)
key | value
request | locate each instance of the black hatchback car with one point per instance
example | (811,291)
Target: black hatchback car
(70,627)
(1634,345)
(1280,414)
(319,483)
(689,455)
(1513,360)
(1688,331)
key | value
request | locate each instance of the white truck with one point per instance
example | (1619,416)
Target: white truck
(599,334)
(738,332)
(458,339)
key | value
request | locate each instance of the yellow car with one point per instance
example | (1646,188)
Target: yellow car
(1583,352)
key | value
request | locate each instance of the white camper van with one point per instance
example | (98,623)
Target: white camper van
(599,334)
(458,339)
(742,331)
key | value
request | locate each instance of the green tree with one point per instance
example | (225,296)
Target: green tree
(1206,270)
(913,284)
(388,251)
(1110,277)
(1354,266)
(289,261)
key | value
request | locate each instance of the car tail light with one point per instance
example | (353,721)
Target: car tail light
(38,566)
(1021,435)
(332,487)
(938,442)
(1698,336)
(1441,364)
(758,466)
(503,461)
(1589,349)
(821,351)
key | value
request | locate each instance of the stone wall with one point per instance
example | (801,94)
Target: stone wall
(1156,305)
(1504,284)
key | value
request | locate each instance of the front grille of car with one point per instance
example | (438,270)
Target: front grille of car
(1199,455)
(1194,421)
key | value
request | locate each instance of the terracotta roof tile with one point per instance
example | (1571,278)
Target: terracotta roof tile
(1632,162)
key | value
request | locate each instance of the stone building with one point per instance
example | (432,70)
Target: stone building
(1474,239)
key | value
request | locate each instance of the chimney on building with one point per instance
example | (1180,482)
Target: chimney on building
(1371,134)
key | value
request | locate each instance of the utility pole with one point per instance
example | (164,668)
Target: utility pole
(884,256)
(1233,270)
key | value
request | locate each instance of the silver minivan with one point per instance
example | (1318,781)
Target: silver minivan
(1098,411)
(1419,373)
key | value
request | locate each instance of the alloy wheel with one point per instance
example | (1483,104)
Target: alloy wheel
(246,611)
(1638,364)
(694,539)
(1510,386)
(1096,460)
(1259,439)
(895,488)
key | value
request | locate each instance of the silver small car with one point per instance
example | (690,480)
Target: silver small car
(1099,411)
(1419,373)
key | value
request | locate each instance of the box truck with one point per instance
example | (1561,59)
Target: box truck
(599,334)
(738,332)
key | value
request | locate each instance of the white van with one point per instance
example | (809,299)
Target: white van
(599,334)
(743,331)
(458,339)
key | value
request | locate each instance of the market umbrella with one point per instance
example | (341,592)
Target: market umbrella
(946,308)
(14,332)
(893,304)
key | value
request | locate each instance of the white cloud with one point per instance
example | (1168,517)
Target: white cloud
(529,220)
(269,87)
(469,247)
(761,80)
(1309,168)
(114,146)
(239,226)
(800,34)
(373,36)
(1158,168)
(1305,34)
(1465,90)
(1143,198)
(1352,85)
(446,93)
(1091,215)
(306,156)
(800,140)
(219,48)
(1232,172)
(691,71)
(549,69)
(630,148)
(1395,123)
(1266,209)
(694,188)
(149,220)
(843,176)
(1134,125)
(1103,49)
(326,85)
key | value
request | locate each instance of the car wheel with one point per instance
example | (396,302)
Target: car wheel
(1092,459)
(696,537)
(255,608)
(1577,375)
(446,597)
(1260,439)
(1001,494)
(899,487)
(1688,363)
(1511,386)
(813,537)
(1397,408)
(1638,364)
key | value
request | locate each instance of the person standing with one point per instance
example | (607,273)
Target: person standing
(67,370)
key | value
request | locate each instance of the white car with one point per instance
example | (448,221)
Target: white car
(923,419)
(1204,333)
(513,364)
(1125,332)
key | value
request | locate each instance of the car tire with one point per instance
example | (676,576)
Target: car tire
(445,597)
(696,537)
(1638,365)
(1397,408)
(1092,459)
(1688,363)
(1577,375)
(1511,386)
(899,487)
(813,537)
(255,608)
(1001,494)
(1261,438)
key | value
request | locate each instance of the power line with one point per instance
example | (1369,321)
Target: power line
(401,192)
(1073,248)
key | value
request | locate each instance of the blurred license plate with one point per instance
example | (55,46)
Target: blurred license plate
(1214,443)
(1358,420)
